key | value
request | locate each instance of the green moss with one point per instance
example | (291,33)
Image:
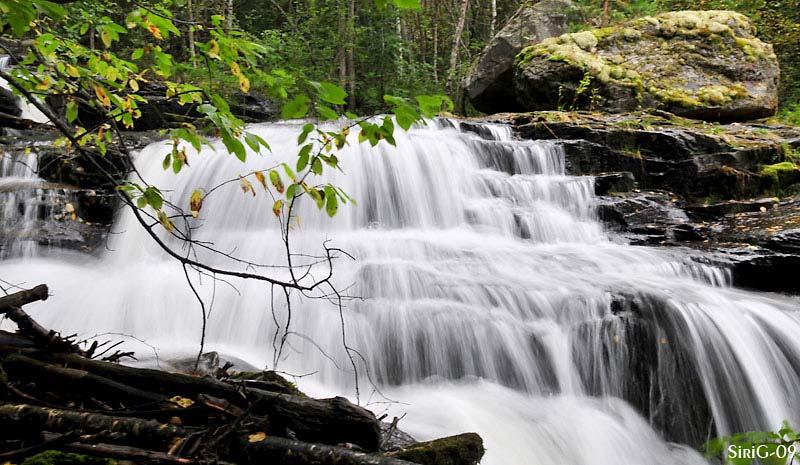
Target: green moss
(54,457)
(724,30)
(466,449)
(779,169)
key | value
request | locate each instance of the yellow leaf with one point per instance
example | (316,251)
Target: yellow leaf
(277,207)
(165,221)
(101,95)
(154,30)
(213,52)
(257,437)
(182,401)
(69,208)
(196,202)
(235,68)
(261,178)
(246,186)
(134,85)
(73,71)
(244,84)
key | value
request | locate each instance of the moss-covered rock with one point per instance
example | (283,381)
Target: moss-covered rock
(699,64)
(462,449)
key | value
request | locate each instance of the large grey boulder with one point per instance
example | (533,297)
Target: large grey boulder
(489,86)
(699,64)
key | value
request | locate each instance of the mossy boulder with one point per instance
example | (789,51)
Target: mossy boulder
(461,449)
(699,64)
(489,84)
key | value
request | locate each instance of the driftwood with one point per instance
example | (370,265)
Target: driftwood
(19,420)
(54,396)
(10,306)
(288,452)
(329,421)
(25,368)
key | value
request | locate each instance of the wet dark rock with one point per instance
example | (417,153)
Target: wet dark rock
(652,363)
(9,104)
(489,85)
(694,159)
(715,210)
(614,182)
(651,217)
(160,112)
(393,438)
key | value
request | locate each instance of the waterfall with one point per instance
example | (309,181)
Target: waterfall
(29,111)
(485,296)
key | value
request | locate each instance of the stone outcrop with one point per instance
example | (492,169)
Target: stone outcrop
(699,64)
(729,191)
(489,86)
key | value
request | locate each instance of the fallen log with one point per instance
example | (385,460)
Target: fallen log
(23,297)
(20,420)
(118,452)
(289,452)
(79,382)
(328,421)
(27,326)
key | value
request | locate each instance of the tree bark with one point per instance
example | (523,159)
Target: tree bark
(288,452)
(23,297)
(190,11)
(330,421)
(79,382)
(351,55)
(19,420)
(462,18)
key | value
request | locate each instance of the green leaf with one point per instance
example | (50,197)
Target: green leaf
(295,108)
(431,105)
(407,4)
(331,93)
(331,202)
(289,172)
(291,191)
(72,111)
(276,181)
(307,128)
(316,166)
(153,197)
(302,159)
(325,113)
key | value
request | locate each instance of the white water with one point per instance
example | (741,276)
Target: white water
(493,301)
(29,111)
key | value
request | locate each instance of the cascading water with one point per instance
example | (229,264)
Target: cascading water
(490,299)
(29,111)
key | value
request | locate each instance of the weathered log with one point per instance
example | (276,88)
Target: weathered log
(119,452)
(461,449)
(329,421)
(27,326)
(288,452)
(23,297)
(19,420)
(76,381)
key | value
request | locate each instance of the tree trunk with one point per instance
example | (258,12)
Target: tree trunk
(436,53)
(229,15)
(341,52)
(493,24)
(452,72)
(190,11)
(351,55)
